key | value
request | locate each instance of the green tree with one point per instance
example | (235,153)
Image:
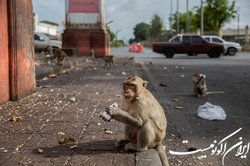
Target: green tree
(217,13)
(156,26)
(111,34)
(142,31)
(193,19)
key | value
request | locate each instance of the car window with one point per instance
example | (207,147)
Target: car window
(185,40)
(207,38)
(175,39)
(197,39)
(217,40)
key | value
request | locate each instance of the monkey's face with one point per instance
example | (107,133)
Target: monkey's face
(198,77)
(133,87)
(130,91)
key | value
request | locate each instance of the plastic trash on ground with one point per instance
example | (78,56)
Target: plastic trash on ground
(211,112)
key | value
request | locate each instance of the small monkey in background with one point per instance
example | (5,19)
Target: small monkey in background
(144,119)
(109,60)
(200,86)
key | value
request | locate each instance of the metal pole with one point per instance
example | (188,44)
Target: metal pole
(187,17)
(238,26)
(178,19)
(171,15)
(202,18)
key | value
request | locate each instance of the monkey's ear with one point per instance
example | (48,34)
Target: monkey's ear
(145,84)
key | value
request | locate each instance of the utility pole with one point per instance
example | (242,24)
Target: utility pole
(238,25)
(187,17)
(171,15)
(178,19)
(202,18)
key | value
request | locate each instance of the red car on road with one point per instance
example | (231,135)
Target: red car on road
(136,47)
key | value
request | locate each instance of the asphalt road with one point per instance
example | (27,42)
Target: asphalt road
(171,81)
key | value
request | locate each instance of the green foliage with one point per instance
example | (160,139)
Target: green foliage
(111,34)
(182,21)
(216,14)
(156,26)
(142,31)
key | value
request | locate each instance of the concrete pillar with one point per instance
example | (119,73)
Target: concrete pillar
(247,34)
(4,54)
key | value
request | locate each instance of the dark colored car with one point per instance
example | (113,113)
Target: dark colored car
(188,44)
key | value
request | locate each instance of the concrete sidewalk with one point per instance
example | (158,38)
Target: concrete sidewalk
(69,104)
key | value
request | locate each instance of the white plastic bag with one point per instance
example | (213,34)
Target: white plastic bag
(211,112)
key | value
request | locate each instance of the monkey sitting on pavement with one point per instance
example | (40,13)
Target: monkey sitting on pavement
(59,54)
(200,86)
(144,119)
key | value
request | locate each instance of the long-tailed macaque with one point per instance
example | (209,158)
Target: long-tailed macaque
(59,54)
(144,118)
(109,60)
(200,86)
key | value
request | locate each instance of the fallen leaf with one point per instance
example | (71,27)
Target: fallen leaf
(15,119)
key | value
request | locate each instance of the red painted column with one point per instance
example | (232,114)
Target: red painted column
(21,50)
(4,55)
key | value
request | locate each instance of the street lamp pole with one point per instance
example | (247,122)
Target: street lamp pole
(178,19)
(202,18)
(116,35)
(238,25)
(187,17)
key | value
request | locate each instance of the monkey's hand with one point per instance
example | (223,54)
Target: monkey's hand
(113,111)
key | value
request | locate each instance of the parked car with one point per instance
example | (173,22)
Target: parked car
(41,42)
(231,48)
(188,44)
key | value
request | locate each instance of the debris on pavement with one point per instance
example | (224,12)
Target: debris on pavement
(163,84)
(72,99)
(40,151)
(179,107)
(124,73)
(182,76)
(175,100)
(73,147)
(108,131)
(211,112)
(15,119)
(165,68)
(63,138)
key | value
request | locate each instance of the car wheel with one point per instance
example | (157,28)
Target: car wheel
(231,51)
(169,53)
(215,53)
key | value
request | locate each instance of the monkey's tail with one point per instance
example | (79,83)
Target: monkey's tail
(163,155)
(215,92)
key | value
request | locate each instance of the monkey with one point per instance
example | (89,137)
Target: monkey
(109,60)
(59,54)
(143,116)
(92,53)
(200,86)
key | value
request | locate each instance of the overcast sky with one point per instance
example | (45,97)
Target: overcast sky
(125,14)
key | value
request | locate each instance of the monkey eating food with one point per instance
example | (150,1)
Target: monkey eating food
(200,86)
(143,116)
(59,54)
